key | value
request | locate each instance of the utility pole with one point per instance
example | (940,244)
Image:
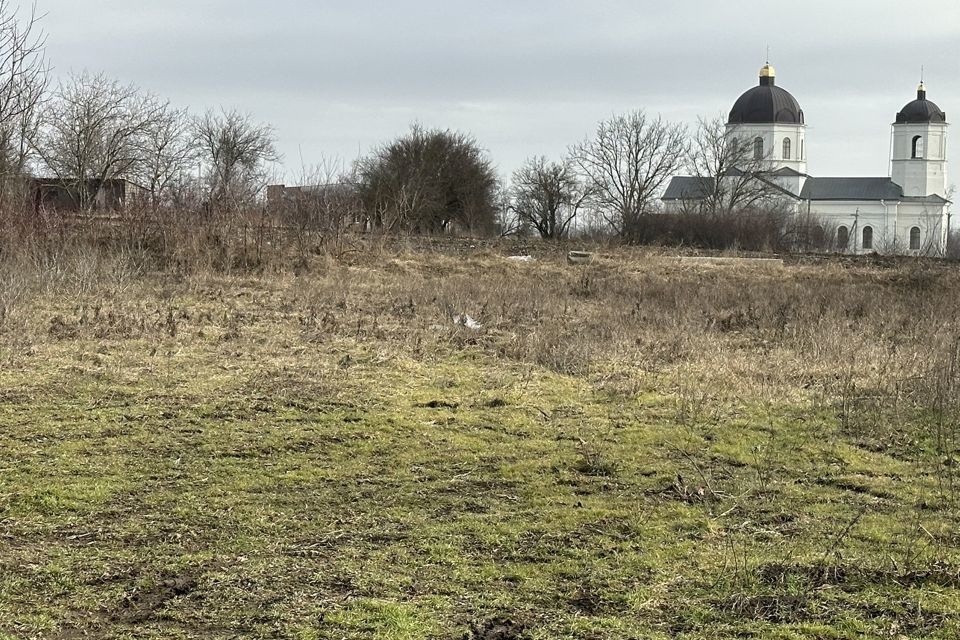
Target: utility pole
(856,230)
(946,242)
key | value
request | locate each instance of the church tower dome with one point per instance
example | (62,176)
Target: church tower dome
(766,103)
(768,123)
(921,109)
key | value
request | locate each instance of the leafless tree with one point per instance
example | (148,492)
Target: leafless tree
(547,196)
(235,152)
(93,130)
(323,209)
(506,220)
(626,164)
(740,200)
(23,85)
(168,151)
(731,177)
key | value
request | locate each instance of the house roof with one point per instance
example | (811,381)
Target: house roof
(70,183)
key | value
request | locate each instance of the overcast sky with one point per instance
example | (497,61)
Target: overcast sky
(336,77)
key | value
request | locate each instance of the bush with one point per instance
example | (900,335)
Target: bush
(749,230)
(429,181)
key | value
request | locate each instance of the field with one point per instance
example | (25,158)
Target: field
(641,447)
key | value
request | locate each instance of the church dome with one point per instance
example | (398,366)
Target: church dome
(766,104)
(921,110)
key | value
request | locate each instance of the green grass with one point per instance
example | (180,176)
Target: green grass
(248,475)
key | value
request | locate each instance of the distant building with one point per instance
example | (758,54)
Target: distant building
(316,204)
(905,213)
(115,194)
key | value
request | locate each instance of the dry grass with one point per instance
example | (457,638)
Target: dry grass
(638,447)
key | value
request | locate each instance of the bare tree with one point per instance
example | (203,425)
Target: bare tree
(168,150)
(324,208)
(235,151)
(506,220)
(23,85)
(93,130)
(730,176)
(547,196)
(626,164)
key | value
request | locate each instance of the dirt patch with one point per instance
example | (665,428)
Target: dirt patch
(938,574)
(496,629)
(438,404)
(853,486)
(142,604)
(905,618)
(777,574)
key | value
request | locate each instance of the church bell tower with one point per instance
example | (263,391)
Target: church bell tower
(768,125)
(918,161)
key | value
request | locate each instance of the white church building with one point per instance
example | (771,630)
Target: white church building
(906,213)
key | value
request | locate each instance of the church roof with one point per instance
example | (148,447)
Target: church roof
(851,189)
(697,188)
(862,189)
(766,104)
(788,172)
(920,110)
(688,188)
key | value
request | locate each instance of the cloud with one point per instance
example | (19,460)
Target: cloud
(524,77)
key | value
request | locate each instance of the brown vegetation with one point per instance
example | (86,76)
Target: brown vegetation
(215,433)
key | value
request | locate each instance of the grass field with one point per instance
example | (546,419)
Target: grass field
(636,448)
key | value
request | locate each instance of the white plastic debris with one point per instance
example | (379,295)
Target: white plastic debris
(468,322)
(521,258)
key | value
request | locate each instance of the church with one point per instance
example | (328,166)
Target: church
(904,213)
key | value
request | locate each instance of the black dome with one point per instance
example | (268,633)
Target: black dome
(766,104)
(921,110)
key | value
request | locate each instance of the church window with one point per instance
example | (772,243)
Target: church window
(868,237)
(917,147)
(758,148)
(801,148)
(843,238)
(786,148)
(915,239)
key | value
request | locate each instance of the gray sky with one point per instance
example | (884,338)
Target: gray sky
(336,77)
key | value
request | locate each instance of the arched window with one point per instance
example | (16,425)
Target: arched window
(801,148)
(758,148)
(917,147)
(868,237)
(915,239)
(735,148)
(786,148)
(843,238)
